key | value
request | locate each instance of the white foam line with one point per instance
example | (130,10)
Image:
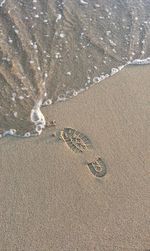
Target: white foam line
(37,117)
(11,132)
(141,61)
(2,3)
(83,2)
(59,16)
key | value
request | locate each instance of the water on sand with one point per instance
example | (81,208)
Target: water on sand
(51,50)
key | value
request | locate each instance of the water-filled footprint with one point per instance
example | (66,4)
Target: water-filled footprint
(75,140)
(97,168)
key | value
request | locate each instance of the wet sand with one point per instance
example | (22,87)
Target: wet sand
(49,200)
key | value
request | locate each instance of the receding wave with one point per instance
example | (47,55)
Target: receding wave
(51,50)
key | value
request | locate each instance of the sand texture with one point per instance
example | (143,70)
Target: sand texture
(49,199)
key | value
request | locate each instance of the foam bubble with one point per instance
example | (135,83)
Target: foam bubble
(47,102)
(10,132)
(75,93)
(61,98)
(96,80)
(27,134)
(114,71)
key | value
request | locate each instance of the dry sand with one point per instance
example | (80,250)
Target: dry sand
(48,198)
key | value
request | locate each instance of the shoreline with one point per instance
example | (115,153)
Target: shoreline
(36,111)
(50,200)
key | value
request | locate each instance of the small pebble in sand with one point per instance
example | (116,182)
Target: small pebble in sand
(53,134)
(51,123)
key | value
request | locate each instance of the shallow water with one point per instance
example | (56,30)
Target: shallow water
(51,50)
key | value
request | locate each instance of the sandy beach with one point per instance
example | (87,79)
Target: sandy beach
(50,201)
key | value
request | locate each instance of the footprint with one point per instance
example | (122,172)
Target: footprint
(79,143)
(98,168)
(76,141)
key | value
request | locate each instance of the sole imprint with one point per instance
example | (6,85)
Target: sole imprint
(98,168)
(75,140)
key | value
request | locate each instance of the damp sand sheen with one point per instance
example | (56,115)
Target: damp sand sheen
(79,143)
(51,200)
